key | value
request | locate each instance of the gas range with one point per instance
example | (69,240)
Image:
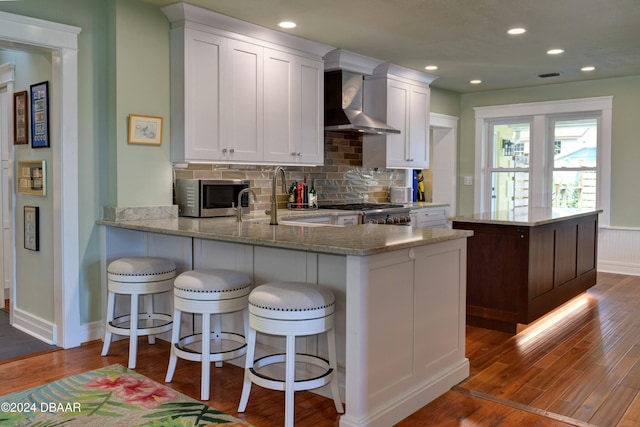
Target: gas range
(376,213)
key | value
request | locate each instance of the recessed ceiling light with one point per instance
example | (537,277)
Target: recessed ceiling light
(555,51)
(589,68)
(515,31)
(475,82)
(431,67)
(287,24)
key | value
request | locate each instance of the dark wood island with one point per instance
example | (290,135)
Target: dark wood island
(520,267)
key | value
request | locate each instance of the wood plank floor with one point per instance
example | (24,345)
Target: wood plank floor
(578,367)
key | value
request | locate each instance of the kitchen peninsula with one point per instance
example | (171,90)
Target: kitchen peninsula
(521,266)
(400,295)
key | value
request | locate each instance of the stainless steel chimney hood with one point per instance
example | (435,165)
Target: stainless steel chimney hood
(343,105)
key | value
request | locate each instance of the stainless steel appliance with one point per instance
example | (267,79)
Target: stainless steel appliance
(343,105)
(377,213)
(206,198)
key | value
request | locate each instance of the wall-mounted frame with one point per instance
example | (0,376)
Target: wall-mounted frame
(146,130)
(32,177)
(31,228)
(40,115)
(21,118)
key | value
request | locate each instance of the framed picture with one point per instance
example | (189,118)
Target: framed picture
(31,225)
(146,130)
(32,177)
(40,115)
(20,118)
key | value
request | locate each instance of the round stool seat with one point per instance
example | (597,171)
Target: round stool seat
(210,293)
(137,277)
(291,301)
(141,269)
(211,284)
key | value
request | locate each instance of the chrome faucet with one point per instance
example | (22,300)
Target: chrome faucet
(274,201)
(239,208)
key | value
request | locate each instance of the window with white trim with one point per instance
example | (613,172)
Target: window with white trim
(546,154)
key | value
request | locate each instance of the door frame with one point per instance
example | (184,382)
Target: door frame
(62,42)
(444,162)
(7,252)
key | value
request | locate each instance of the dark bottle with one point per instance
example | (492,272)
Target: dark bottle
(292,192)
(305,192)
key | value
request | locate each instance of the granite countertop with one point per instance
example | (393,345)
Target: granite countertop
(359,240)
(536,216)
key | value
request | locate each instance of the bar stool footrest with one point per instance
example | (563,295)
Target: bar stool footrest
(180,350)
(300,385)
(114,327)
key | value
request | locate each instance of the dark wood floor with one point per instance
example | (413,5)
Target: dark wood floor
(580,367)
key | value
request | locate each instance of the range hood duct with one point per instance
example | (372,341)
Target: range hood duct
(343,105)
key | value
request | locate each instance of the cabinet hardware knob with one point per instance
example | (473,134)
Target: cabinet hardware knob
(232,150)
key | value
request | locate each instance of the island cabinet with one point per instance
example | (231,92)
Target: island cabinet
(517,272)
(400,297)
(251,96)
(401,98)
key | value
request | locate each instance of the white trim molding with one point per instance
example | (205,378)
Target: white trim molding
(62,41)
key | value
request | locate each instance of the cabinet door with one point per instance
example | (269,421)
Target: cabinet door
(243,102)
(309,105)
(398,96)
(293,109)
(279,138)
(198,127)
(417,137)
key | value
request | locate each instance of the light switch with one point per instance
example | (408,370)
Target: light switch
(468,180)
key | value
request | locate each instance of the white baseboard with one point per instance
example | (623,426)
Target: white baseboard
(36,327)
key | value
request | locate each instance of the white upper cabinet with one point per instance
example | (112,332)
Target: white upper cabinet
(294,114)
(196,107)
(243,102)
(242,93)
(401,98)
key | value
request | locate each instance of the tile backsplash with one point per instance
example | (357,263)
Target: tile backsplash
(341,179)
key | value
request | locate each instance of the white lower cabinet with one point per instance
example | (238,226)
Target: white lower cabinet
(433,216)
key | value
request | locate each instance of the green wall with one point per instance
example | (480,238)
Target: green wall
(33,268)
(625,147)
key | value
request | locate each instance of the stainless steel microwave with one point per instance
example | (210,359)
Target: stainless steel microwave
(206,198)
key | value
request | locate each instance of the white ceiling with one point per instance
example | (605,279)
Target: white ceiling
(466,38)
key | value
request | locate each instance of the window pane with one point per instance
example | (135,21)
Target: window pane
(575,143)
(510,191)
(574,189)
(511,145)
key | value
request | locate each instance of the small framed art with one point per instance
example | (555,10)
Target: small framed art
(21,118)
(32,177)
(40,115)
(146,130)
(31,228)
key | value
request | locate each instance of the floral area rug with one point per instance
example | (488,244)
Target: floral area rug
(110,396)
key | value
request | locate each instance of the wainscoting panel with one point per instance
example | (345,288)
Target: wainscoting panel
(619,251)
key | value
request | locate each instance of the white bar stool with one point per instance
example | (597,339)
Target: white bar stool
(293,310)
(138,276)
(208,292)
